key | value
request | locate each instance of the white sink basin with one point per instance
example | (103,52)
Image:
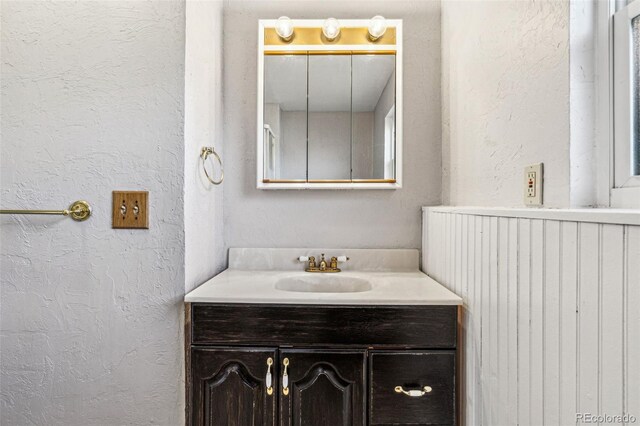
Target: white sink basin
(330,283)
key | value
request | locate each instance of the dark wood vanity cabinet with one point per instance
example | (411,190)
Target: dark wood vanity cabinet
(254,365)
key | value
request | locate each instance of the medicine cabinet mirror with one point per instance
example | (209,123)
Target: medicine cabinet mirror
(329,111)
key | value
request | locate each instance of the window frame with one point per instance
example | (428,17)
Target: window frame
(618,186)
(623,107)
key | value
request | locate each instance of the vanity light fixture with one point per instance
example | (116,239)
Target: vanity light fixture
(377,27)
(331,29)
(284,28)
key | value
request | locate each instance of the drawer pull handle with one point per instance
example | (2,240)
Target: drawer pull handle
(285,377)
(268,379)
(414,392)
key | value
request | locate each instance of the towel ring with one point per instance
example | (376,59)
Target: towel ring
(204,154)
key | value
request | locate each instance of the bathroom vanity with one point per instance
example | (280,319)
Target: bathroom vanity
(382,354)
(280,338)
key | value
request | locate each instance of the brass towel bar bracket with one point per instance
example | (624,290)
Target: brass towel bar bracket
(78,211)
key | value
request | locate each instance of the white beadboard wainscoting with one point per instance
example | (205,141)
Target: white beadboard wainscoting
(551,320)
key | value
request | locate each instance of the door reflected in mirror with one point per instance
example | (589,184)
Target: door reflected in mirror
(285,117)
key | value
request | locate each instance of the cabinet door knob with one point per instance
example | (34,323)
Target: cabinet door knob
(268,379)
(414,392)
(285,377)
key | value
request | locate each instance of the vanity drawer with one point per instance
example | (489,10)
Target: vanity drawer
(413,370)
(322,326)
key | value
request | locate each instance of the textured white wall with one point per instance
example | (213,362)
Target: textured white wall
(92,100)
(505,84)
(205,254)
(390,219)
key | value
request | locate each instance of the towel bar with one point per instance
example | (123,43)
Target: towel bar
(79,211)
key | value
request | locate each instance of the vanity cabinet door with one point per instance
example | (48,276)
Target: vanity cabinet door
(322,388)
(229,387)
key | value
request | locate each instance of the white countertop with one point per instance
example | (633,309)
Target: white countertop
(258,286)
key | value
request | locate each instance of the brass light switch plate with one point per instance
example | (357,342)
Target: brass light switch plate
(130,210)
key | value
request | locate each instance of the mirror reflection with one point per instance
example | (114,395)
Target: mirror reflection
(329,117)
(373,140)
(285,117)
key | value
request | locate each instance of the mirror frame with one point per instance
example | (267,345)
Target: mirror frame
(353,38)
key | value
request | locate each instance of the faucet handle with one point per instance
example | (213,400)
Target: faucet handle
(310,259)
(335,260)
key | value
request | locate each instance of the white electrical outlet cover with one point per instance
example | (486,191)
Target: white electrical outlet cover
(533,183)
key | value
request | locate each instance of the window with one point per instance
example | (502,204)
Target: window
(626,105)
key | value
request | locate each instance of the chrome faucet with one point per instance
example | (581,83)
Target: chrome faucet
(331,266)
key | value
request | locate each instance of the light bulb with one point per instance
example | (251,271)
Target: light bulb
(331,28)
(284,28)
(377,27)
